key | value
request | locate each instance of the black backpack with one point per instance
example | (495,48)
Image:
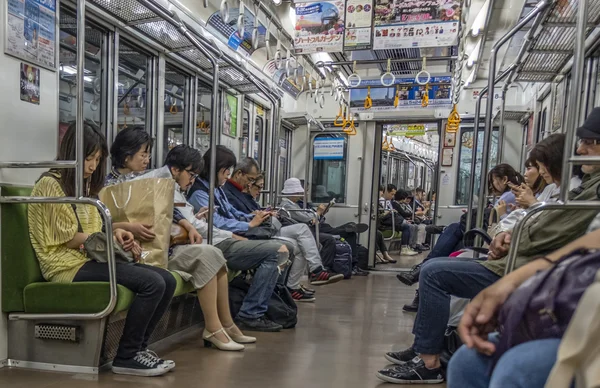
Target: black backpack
(282,307)
(363,257)
(342,263)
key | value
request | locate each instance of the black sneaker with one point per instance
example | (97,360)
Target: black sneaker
(419,374)
(300,296)
(168,363)
(308,291)
(414,306)
(410,277)
(143,364)
(401,358)
(257,324)
(359,272)
(320,277)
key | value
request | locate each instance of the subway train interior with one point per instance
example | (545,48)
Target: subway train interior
(294,199)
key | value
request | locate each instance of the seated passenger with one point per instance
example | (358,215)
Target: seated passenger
(402,204)
(231,219)
(387,212)
(130,152)
(445,277)
(293,192)
(526,365)
(58,233)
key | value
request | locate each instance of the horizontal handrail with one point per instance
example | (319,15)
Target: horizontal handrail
(518,230)
(584,159)
(50,164)
(112,276)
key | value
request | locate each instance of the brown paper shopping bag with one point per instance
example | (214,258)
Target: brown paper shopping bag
(148,201)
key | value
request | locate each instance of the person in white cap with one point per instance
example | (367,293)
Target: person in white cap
(293,193)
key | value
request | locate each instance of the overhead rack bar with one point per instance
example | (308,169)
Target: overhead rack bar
(383,61)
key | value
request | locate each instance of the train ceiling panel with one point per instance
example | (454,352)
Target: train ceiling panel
(151,25)
(554,42)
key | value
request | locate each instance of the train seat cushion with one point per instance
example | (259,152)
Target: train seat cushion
(388,234)
(23,287)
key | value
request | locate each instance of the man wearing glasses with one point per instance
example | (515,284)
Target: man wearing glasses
(244,174)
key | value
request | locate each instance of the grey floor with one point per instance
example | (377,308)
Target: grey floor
(339,342)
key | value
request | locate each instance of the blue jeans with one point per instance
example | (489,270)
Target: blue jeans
(154,288)
(440,278)
(525,366)
(449,241)
(262,256)
(406,233)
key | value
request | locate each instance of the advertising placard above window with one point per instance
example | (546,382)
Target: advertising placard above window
(416,23)
(359,25)
(319,27)
(228,34)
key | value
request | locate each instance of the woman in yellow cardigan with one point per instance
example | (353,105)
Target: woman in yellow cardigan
(58,233)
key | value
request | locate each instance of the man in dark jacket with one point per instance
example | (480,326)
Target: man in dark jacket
(246,171)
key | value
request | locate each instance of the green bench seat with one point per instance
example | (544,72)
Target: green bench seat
(25,290)
(388,234)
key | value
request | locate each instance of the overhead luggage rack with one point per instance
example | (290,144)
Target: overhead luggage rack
(553,45)
(145,21)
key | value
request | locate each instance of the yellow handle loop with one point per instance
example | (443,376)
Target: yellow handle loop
(174,109)
(391,145)
(425,97)
(385,146)
(453,121)
(397,97)
(368,100)
(340,115)
(126,109)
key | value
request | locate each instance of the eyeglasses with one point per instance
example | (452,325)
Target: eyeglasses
(193,175)
(258,186)
(587,142)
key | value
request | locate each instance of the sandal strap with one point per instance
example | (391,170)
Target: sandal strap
(221,330)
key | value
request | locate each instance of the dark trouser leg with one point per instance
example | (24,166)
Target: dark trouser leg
(154,288)
(405,228)
(259,255)
(447,243)
(440,278)
(380,242)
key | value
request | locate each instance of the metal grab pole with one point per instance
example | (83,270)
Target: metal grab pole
(487,134)
(502,133)
(79,113)
(476,144)
(307,168)
(574,98)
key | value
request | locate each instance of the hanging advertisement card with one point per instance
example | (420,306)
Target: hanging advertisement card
(319,27)
(359,24)
(228,33)
(328,149)
(30,32)
(291,85)
(30,84)
(230,116)
(559,106)
(409,94)
(416,23)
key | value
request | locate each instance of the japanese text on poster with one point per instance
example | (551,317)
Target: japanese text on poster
(409,95)
(328,149)
(319,27)
(31,31)
(30,84)
(228,33)
(416,23)
(359,24)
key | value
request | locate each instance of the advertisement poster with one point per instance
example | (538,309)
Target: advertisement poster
(559,106)
(30,84)
(407,130)
(228,34)
(319,27)
(31,31)
(288,84)
(416,23)
(409,94)
(359,23)
(230,115)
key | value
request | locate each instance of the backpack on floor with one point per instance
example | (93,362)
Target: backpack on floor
(282,307)
(342,263)
(362,257)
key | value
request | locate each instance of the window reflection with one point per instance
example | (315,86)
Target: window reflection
(174,112)
(203,125)
(132,93)
(329,168)
(93,89)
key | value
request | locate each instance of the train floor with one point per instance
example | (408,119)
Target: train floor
(340,341)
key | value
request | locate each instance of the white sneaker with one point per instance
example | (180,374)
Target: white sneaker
(406,251)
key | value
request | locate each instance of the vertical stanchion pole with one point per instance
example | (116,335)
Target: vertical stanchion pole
(79,119)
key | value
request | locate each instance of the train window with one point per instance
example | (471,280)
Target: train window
(203,117)
(132,92)
(245,151)
(94,89)
(259,126)
(395,171)
(401,182)
(284,138)
(541,126)
(464,162)
(330,155)
(174,114)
